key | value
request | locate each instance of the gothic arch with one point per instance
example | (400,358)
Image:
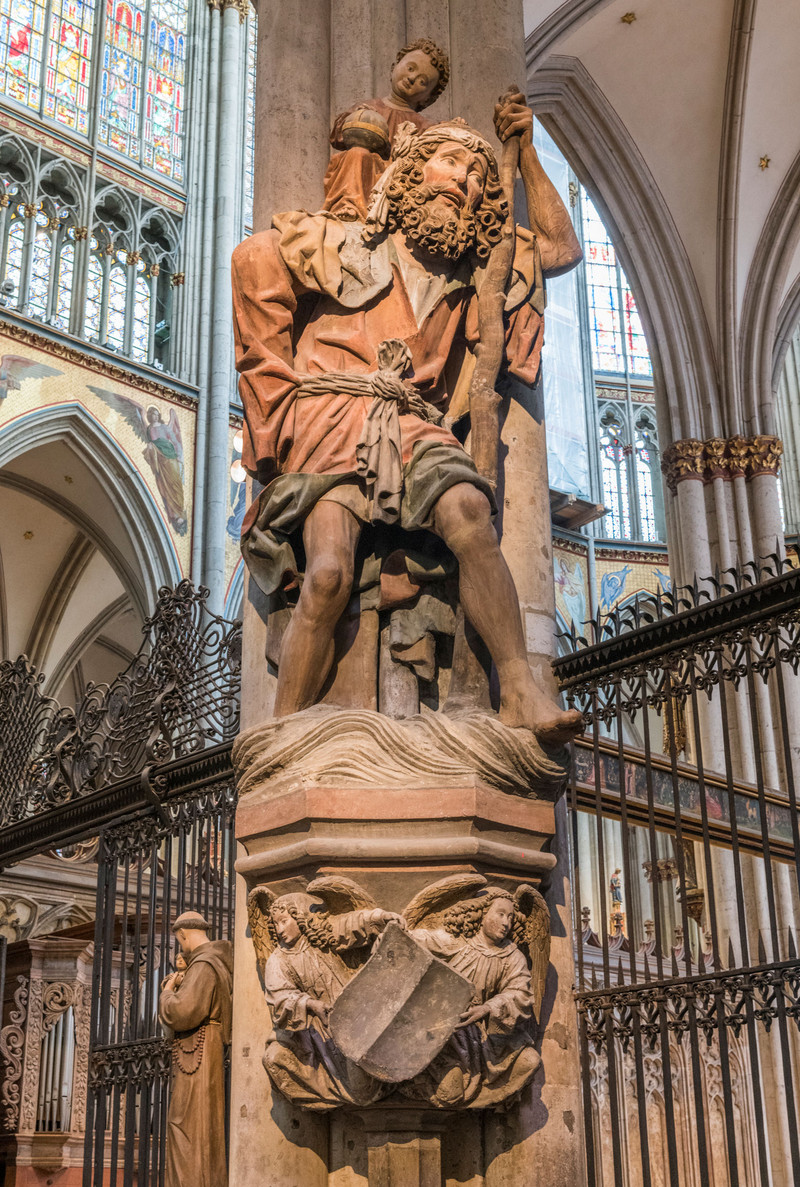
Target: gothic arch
(603,154)
(156,559)
(763,316)
(786,325)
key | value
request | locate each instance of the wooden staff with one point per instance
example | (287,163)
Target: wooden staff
(484,402)
(469,683)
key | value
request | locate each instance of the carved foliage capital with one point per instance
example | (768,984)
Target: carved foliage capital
(720,457)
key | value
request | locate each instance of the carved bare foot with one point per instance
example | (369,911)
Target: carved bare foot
(524,705)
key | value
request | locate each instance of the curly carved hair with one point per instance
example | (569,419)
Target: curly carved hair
(490,217)
(439,61)
(316,928)
(465,919)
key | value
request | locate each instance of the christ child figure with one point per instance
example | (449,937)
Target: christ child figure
(303,977)
(366,132)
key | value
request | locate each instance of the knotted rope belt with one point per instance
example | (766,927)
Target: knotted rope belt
(379,452)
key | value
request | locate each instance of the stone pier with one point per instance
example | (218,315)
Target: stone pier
(395,829)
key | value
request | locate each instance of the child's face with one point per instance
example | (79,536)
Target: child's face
(180,962)
(415,78)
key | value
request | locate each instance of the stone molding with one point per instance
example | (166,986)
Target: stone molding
(719,457)
(73,354)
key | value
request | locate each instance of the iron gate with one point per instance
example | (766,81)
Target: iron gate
(686,881)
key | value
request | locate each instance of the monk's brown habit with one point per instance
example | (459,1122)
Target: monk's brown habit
(199,1013)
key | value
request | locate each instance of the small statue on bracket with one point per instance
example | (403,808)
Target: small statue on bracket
(195,1008)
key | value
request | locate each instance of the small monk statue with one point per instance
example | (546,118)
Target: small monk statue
(366,132)
(195,1009)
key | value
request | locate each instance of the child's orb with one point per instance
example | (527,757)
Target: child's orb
(365,128)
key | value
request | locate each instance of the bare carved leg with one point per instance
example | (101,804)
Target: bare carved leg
(330,536)
(489,597)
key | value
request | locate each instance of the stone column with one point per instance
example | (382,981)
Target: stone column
(314,60)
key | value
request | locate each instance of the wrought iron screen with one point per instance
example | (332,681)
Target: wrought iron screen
(687,885)
(151,870)
(143,767)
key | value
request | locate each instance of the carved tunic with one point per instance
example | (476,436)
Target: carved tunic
(484,1063)
(301,1057)
(199,1014)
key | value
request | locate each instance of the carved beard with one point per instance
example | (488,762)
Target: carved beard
(433,226)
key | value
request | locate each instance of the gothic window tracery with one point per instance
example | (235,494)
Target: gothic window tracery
(109,283)
(47,49)
(617,339)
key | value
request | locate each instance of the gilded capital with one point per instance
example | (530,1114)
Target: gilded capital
(720,457)
(242,7)
(765,455)
(683,459)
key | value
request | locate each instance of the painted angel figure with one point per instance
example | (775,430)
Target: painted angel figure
(15,367)
(308,946)
(500,941)
(163,450)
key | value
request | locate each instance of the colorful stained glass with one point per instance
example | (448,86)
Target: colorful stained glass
(120,85)
(250,118)
(41,253)
(140,341)
(644,484)
(13,272)
(66,268)
(117,296)
(68,72)
(635,342)
(617,522)
(603,292)
(22,26)
(164,88)
(94,296)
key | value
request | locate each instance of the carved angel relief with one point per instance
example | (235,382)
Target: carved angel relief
(310,945)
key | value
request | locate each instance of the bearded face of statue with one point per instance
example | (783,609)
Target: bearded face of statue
(439,213)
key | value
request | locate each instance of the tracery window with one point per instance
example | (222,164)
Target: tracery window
(617,339)
(46,52)
(111,284)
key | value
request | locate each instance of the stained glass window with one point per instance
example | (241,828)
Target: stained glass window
(94,295)
(647,472)
(66,267)
(117,297)
(612,308)
(250,118)
(617,523)
(39,285)
(140,343)
(13,273)
(164,88)
(120,84)
(22,27)
(68,73)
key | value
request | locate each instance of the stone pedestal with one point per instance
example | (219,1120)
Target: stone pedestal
(352,793)
(404,1147)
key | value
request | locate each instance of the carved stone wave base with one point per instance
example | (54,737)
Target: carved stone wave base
(330,747)
(395,806)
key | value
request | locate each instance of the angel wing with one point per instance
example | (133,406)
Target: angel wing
(174,434)
(130,411)
(536,941)
(341,895)
(427,908)
(259,902)
(15,367)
